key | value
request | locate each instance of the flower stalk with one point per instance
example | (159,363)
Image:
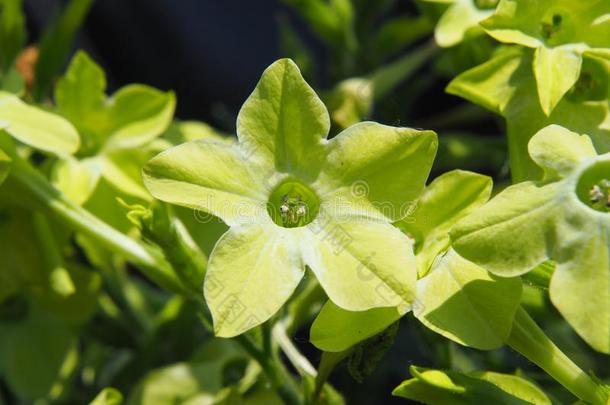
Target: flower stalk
(530,340)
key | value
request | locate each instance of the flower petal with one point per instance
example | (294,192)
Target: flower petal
(464,303)
(517,226)
(459,18)
(449,198)
(556,70)
(375,170)
(284,123)
(558,150)
(516,22)
(252,272)
(208,176)
(580,287)
(361,264)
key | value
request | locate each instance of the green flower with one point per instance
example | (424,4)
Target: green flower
(565,218)
(460,17)
(293,199)
(115,130)
(560,31)
(506,85)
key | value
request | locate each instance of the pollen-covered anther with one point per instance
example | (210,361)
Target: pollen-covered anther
(596,194)
(292,204)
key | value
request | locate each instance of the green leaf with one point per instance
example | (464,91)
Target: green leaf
(108,396)
(37,128)
(246,261)
(556,70)
(336,330)
(558,150)
(56,43)
(37,354)
(12,31)
(443,203)
(463,302)
(437,387)
(284,123)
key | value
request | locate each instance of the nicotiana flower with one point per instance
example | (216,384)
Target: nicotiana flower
(560,31)
(566,218)
(292,199)
(460,17)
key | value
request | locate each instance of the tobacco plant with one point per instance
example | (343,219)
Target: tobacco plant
(148,260)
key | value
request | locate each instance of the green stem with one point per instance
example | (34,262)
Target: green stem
(522,167)
(528,339)
(327,364)
(279,377)
(300,362)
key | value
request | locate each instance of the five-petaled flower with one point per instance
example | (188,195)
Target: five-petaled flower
(286,193)
(561,32)
(564,218)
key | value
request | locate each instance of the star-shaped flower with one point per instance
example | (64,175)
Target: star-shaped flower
(566,218)
(292,199)
(560,32)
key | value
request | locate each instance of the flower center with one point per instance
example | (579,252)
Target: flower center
(292,204)
(592,83)
(593,188)
(556,28)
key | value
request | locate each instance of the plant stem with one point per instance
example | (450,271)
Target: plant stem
(280,379)
(327,365)
(528,339)
(300,362)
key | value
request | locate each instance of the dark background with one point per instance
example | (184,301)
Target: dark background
(211,53)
